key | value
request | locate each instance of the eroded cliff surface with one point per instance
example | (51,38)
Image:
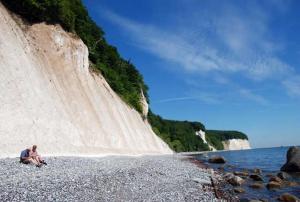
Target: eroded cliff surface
(236,144)
(50,97)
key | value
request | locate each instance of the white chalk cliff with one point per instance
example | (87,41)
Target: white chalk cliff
(232,144)
(236,144)
(201,134)
(50,97)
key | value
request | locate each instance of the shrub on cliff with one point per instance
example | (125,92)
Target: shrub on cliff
(179,135)
(224,135)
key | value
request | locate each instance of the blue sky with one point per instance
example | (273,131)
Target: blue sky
(233,65)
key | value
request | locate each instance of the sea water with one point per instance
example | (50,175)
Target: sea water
(269,160)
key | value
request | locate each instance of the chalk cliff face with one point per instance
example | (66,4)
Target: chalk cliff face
(50,97)
(236,144)
(145,105)
(201,133)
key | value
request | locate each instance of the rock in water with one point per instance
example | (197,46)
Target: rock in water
(241,173)
(286,197)
(217,159)
(256,177)
(273,185)
(275,179)
(257,185)
(291,184)
(293,160)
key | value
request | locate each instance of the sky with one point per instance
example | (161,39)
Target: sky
(232,65)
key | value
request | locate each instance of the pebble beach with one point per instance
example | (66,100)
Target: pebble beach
(111,178)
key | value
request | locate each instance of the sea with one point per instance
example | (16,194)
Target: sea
(269,160)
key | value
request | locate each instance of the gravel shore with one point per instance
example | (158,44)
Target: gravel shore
(146,178)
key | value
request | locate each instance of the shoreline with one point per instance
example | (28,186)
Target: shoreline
(254,182)
(219,184)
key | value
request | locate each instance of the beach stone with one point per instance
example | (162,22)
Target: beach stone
(256,177)
(275,179)
(236,181)
(283,175)
(239,190)
(273,185)
(217,159)
(293,160)
(256,185)
(227,176)
(201,181)
(286,197)
(241,173)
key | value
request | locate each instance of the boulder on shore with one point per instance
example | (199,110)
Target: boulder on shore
(293,160)
(283,175)
(217,159)
(234,180)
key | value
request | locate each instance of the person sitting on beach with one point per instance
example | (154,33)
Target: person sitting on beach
(34,155)
(27,159)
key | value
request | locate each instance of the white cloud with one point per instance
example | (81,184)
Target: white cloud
(234,42)
(166,45)
(203,97)
(262,68)
(252,96)
(246,49)
(292,85)
(237,95)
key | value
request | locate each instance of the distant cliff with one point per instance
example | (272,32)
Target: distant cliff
(183,136)
(236,144)
(227,140)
